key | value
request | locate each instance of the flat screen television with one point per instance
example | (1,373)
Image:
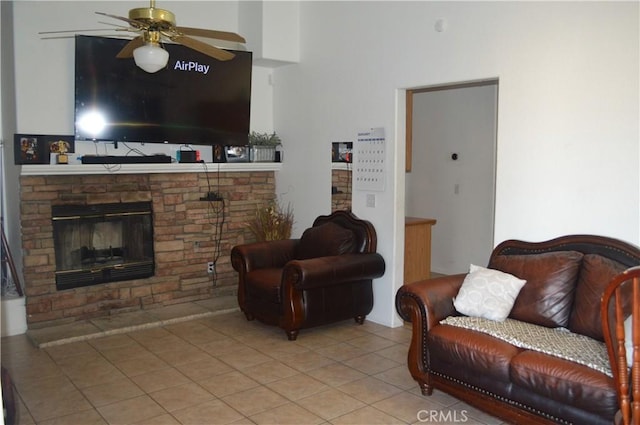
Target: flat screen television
(195,100)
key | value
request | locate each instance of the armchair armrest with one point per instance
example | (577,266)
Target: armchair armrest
(262,255)
(333,270)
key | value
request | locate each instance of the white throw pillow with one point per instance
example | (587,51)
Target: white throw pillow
(488,293)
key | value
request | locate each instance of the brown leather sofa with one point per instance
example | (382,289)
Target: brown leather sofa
(323,277)
(566,278)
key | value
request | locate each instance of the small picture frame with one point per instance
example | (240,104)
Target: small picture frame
(37,148)
(219,153)
(30,149)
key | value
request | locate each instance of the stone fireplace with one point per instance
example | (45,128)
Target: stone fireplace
(186,234)
(101,243)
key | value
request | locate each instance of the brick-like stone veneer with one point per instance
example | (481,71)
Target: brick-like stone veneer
(185,238)
(341,179)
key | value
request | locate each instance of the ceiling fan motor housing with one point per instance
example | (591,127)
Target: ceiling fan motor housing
(158,19)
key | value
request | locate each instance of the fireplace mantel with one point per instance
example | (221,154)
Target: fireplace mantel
(85,169)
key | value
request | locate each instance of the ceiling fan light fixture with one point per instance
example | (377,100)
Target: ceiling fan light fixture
(151,57)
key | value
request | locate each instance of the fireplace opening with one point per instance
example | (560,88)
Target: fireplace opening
(102,243)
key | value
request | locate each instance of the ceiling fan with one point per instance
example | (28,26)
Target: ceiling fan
(154,25)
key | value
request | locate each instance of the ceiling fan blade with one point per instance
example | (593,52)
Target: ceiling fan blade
(132,22)
(201,47)
(127,50)
(220,35)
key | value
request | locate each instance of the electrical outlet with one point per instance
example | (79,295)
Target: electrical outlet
(211,267)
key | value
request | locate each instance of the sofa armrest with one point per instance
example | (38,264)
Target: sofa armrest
(263,255)
(424,304)
(333,270)
(433,298)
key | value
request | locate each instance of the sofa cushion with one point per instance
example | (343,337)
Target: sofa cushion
(483,354)
(547,297)
(325,240)
(595,274)
(566,382)
(487,293)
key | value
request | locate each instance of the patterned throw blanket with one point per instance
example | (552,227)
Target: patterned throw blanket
(558,342)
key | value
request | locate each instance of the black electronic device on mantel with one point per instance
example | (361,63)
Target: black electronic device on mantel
(195,100)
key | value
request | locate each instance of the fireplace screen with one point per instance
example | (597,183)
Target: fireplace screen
(102,243)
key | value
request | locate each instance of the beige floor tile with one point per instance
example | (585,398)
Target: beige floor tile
(243,357)
(227,383)
(269,371)
(51,398)
(141,364)
(398,376)
(330,404)
(370,342)
(220,346)
(297,386)
(159,379)
(93,372)
(204,369)
(165,419)
(131,411)
(87,417)
(307,360)
(184,353)
(367,415)
(371,363)
(210,412)
(398,353)
(406,406)
(181,396)
(341,351)
(126,352)
(150,334)
(112,341)
(63,351)
(159,345)
(255,400)
(111,392)
(336,374)
(287,414)
(42,367)
(369,389)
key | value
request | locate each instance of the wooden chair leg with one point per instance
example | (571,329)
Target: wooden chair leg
(359,319)
(292,334)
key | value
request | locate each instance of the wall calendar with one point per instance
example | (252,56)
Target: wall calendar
(369,157)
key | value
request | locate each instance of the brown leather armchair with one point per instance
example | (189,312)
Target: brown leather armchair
(323,277)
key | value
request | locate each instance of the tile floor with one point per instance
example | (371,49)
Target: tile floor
(219,369)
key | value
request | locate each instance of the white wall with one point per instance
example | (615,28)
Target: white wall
(568,134)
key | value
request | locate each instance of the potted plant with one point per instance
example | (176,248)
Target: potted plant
(263,146)
(271,222)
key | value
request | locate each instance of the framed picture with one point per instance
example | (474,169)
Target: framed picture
(30,149)
(60,144)
(219,153)
(37,148)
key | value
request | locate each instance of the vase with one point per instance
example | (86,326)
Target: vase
(263,153)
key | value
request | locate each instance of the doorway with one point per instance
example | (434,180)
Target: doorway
(450,170)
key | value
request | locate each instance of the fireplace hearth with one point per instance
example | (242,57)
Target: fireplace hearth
(102,243)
